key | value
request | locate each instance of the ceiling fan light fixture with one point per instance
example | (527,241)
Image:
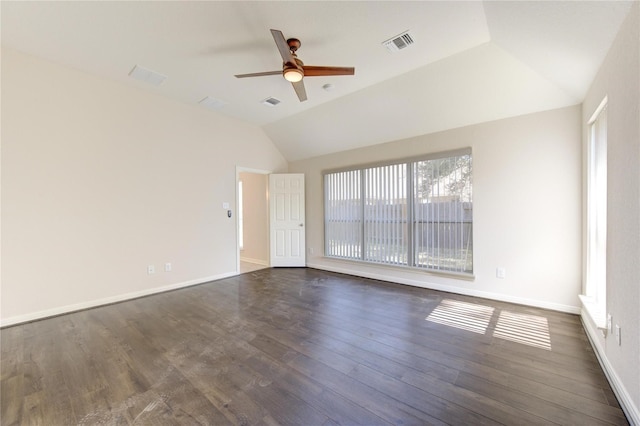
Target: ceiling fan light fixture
(293,75)
(294,70)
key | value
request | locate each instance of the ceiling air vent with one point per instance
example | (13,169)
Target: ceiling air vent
(398,42)
(212,103)
(271,102)
(143,74)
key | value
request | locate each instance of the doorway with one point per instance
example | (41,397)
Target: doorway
(252,219)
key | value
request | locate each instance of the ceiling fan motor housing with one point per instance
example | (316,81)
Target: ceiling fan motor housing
(298,64)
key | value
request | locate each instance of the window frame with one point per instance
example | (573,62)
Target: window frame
(412,263)
(594,298)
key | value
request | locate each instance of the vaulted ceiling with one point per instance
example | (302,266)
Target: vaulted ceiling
(470,62)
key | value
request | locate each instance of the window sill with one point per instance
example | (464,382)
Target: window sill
(596,311)
(445,274)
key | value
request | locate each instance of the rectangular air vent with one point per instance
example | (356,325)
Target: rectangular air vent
(399,42)
(212,103)
(271,101)
(143,74)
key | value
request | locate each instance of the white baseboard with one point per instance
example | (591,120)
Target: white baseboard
(453,289)
(257,261)
(106,301)
(626,402)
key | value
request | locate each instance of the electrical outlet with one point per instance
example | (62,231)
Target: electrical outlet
(501,272)
(310,250)
(618,335)
(151,269)
(167,267)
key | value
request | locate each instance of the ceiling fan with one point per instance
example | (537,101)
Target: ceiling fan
(293,69)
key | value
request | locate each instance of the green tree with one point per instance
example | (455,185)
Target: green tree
(450,175)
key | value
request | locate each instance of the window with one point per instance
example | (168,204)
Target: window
(596,274)
(416,213)
(343,215)
(385,214)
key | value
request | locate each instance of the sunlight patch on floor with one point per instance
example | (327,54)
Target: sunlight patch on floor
(463,315)
(529,330)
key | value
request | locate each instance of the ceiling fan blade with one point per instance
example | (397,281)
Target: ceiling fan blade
(259,74)
(300,91)
(283,47)
(316,71)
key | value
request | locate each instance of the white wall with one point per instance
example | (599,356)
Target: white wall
(619,80)
(255,218)
(100,180)
(527,207)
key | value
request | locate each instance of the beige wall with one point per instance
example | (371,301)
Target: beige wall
(619,80)
(256,218)
(527,201)
(100,180)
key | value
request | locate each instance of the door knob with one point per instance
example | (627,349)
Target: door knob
(301,224)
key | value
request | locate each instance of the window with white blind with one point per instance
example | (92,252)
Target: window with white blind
(416,213)
(385,214)
(594,298)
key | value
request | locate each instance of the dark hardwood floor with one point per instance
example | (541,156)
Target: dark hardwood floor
(304,347)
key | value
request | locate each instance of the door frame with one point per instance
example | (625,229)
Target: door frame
(240,169)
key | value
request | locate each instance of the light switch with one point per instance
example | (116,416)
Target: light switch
(225,206)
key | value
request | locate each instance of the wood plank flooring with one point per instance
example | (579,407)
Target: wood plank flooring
(304,347)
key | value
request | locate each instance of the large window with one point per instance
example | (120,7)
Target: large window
(416,213)
(596,276)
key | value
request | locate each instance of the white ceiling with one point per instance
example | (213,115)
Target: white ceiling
(471,61)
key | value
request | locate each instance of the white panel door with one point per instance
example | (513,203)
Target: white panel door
(286,207)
